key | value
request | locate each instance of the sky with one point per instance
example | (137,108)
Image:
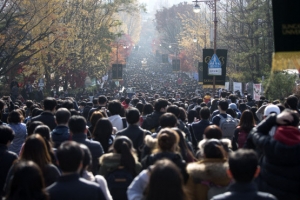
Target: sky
(152,5)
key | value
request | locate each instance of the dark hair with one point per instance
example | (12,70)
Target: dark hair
(77,124)
(132,115)
(165,182)
(160,103)
(95,117)
(49,103)
(30,126)
(87,158)
(35,149)
(62,116)
(223,104)
(214,105)
(147,109)
(27,182)
(2,104)
(14,117)
(167,120)
(36,112)
(185,152)
(114,107)
(213,148)
(102,133)
(95,101)
(167,139)
(247,121)
(69,155)
(233,98)
(43,130)
(204,113)
(123,145)
(140,106)
(242,107)
(292,102)
(231,112)
(173,109)
(102,99)
(191,115)
(6,134)
(243,164)
(68,104)
(213,131)
(182,114)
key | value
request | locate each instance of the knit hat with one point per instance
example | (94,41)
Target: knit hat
(271,109)
(288,135)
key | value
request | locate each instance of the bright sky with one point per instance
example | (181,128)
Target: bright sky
(154,4)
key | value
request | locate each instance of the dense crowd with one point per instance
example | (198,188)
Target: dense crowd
(162,137)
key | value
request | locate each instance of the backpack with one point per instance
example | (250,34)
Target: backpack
(118,181)
(227,125)
(242,138)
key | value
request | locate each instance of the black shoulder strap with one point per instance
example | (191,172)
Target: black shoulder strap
(124,122)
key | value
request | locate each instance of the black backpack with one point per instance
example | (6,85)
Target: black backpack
(118,181)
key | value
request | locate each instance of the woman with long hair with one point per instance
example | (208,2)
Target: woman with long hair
(208,172)
(167,146)
(241,132)
(35,150)
(165,182)
(123,155)
(103,133)
(15,123)
(27,182)
(94,119)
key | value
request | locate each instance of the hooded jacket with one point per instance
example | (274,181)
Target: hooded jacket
(59,135)
(203,172)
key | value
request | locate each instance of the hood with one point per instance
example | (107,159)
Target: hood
(288,135)
(110,159)
(213,170)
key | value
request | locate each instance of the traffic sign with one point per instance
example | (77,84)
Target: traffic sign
(214,66)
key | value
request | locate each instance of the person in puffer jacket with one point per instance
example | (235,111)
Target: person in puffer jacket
(61,132)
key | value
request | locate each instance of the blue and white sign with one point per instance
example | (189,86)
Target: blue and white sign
(214,66)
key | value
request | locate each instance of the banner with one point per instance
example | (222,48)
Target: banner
(219,80)
(176,65)
(286,35)
(117,71)
(237,87)
(227,86)
(256,91)
(200,72)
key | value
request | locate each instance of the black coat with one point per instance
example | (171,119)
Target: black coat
(199,127)
(6,161)
(94,146)
(47,118)
(151,122)
(244,191)
(280,164)
(72,187)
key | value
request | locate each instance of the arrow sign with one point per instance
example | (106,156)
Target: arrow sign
(214,66)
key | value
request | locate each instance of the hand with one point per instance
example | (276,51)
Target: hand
(284,118)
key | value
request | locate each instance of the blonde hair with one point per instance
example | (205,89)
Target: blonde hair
(167,139)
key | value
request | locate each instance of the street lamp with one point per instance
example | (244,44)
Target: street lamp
(196,9)
(195,39)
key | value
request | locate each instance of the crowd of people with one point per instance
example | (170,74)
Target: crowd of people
(169,139)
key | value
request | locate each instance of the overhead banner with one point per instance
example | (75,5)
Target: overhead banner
(286,35)
(200,72)
(237,86)
(176,65)
(256,92)
(117,71)
(219,80)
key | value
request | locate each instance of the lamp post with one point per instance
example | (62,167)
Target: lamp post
(212,4)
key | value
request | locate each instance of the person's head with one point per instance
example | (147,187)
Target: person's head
(132,115)
(223,105)
(44,131)
(2,105)
(28,104)
(231,112)
(95,117)
(68,104)
(62,116)
(161,105)
(165,182)
(87,158)
(247,121)
(167,140)
(243,165)
(242,107)
(115,107)
(182,114)
(205,113)
(35,149)
(213,131)
(102,100)
(192,114)
(27,182)
(102,133)
(95,101)
(49,104)
(77,124)
(173,109)
(123,146)
(14,117)
(140,106)
(6,135)
(213,148)
(292,102)
(147,109)
(70,157)
(168,120)
(30,126)
(214,105)
(271,109)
